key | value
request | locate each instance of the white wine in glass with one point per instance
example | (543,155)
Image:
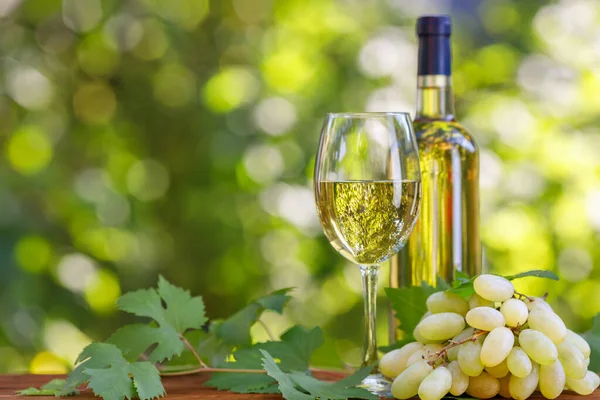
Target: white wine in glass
(368,190)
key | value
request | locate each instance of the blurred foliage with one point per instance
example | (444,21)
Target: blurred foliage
(147,136)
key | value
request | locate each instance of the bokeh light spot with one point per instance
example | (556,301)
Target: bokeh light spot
(46,362)
(153,43)
(97,56)
(275,115)
(81,15)
(94,103)
(76,271)
(574,264)
(263,163)
(29,150)
(187,13)
(28,87)
(174,85)
(102,293)
(33,253)
(148,180)
(63,339)
(288,71)
(230,88)
(110,244)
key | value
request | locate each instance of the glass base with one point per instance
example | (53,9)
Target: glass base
(378,385)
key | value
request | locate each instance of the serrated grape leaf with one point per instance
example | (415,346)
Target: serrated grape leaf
(294,352)
(295,348)
(49,389)
(409,304)
(135,339)
(593,339)
(146,380)
(236,329)
(343,389)
(243,382)
(93,356)
(172,308)
(286,385)
(109,374)
(537,273)
(112,383)
(210,347)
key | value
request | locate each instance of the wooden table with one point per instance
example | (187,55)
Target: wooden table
(185,387)
(177,387)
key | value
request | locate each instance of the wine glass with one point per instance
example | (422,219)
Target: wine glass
(368,190)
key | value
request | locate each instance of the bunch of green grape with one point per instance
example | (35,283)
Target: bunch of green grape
(497,342)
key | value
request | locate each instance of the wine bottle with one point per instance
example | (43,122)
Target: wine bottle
(446,235)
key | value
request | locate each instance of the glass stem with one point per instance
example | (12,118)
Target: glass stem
(369,281)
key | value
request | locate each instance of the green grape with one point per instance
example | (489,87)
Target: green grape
(522,388)
(497,346)
(504,391)
(440,302)
(552,380)
(515,312)
(406,385)
(427,353)
(572,359)
(580,342)
(485,318)
(477,301)
(493,287)
(532,302)
(584,386)
(518,362)
(394,362)
(427,314)
(452,353)
(469,359)
(419,338)
(441,326)
(460,380)
(436,385)
(498,371)
(483,386)
(546,321)
(538,346)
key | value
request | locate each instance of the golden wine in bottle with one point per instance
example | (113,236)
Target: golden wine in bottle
(446,235)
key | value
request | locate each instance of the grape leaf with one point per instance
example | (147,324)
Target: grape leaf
(180,312)
(294,351)
(593,339)
(323,390)
(286,385)
(537,273)
(236,329)
(108,374)
(343,389)
(243,382)
(111,383)
(49,389)
(409,304)
(146,380)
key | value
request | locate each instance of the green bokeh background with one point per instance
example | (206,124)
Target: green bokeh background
(177,137)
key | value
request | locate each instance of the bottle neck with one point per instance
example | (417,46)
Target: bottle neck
(434,97)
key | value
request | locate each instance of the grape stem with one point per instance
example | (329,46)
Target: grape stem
(230,370)
(522,296)
(444,350)
(189,346)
